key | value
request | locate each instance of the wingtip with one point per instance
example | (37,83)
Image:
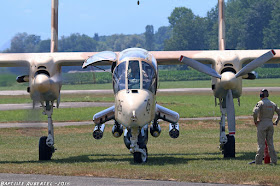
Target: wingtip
(273,52)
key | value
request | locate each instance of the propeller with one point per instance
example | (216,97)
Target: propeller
(230,112)
(199,66)
(245,70)
(255,63)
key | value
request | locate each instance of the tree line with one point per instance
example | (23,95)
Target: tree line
(250,24)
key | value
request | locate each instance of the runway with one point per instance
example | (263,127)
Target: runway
(187,90)
(50,180)
(28,106)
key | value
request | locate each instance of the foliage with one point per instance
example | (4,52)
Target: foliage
(149,37)
(250,24)
(187,31)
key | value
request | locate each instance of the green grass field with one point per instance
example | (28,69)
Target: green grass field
(162,85)
(187,105)
(193,157)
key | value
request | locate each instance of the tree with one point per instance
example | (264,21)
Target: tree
(163,33)
(256,20)
(272,31)
(149,37)
(22,42)
(188,31)
(77,43)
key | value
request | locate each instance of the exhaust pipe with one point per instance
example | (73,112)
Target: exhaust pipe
(98,131)
(174,130)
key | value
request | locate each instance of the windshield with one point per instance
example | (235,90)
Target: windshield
(119,77)
(149,77)
(140,75)
(133,75)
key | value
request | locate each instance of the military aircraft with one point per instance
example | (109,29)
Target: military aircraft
(135,81)
(44,78)
(227,73)
(45,83)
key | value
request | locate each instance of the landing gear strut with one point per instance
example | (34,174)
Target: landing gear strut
(46,143)
(136,140)
(227,142)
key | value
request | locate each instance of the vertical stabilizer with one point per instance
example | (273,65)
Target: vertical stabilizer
(54,26)
(222,31)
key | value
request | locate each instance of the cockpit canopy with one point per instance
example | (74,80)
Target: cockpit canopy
(134,74)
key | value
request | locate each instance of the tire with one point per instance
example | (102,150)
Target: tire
(139,157)
(45,152)
(229,147)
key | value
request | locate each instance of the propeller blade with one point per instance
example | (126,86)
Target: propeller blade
(230,112)
(199,66)
(256,63)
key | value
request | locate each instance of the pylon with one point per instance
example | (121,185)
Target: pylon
(266,154)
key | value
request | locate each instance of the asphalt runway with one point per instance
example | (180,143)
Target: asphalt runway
(50,180)
(187,90)
(28,106)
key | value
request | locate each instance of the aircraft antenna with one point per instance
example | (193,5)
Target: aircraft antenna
(54,26)
(222,31)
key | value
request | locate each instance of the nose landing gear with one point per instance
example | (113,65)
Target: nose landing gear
(136,141)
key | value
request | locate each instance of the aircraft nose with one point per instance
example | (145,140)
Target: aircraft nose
(228,80)
(42,83)
(135,109)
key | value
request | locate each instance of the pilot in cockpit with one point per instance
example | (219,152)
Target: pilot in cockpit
(133,70)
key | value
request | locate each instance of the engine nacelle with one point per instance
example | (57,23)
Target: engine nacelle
(98,131)
(117,130)
(155,129)
(174,130)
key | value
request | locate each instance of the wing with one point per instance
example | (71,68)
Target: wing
(212,56)
(166,114)
(104,115)
(14,60)
(60,58)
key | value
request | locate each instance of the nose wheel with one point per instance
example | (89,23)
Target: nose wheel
(141,157)
(45,152)
(46,143)
(135,140)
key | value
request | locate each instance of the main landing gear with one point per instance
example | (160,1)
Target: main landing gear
(227,142)
(136,140)
(46,143)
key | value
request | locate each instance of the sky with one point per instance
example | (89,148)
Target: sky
(105,17)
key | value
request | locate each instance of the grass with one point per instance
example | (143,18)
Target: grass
(162,85)
(193,157)
(182,159)
(187,105)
